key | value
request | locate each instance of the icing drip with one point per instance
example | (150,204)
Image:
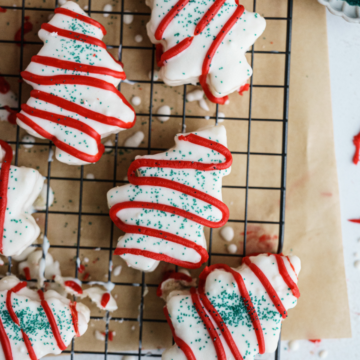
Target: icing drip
(4,180)
(229,303)
(74,98)
(156,183)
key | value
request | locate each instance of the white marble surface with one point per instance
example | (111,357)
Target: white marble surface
(344,53)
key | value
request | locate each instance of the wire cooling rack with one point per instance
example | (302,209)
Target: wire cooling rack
(116,148)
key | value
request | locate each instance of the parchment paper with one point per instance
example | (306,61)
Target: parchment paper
(312,206)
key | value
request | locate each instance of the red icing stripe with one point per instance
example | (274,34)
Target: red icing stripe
(247,302)
(184,44)
(73,35)
(74,66)
(105,300)
(12,114)
(27,273)
(4,181)
(208,324)
(83,18)
(172,275)
(28,26)
(268,287)
(150,181)
(179,342)
(5,343)
(52,321)
(73,285)
(75,317)
(285,275)
(4,85)
(244,88)
(356,142)
(169,17)
(28,345)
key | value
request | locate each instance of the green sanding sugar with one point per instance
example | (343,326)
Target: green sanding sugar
(353,2)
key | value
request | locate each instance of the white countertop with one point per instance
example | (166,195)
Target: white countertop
(344,52)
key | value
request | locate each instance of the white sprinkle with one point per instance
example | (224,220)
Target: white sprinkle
(51,155)
(146,291)
(29,140)
(232,248)
(86,7)
(90,176)
(108,143)
(107,8)
(86,260)
(357,264)
(62,2)
(99,335)
(221,117)
(128,18)
(294,345)
(207,117)
(134,140)
(133,328)
(185,271)
(164,110)
(97,249)
(138,38)
(156,76)
(195,95)
(117,270)
(227,233)
(323,354)
(203,104)
(136,100)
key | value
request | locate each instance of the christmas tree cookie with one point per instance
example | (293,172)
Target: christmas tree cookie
(170,198)
(74,101)
(234,313)
(19,188)
(204,41)
(35,324)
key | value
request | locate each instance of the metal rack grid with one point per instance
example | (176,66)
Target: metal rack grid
(114,181)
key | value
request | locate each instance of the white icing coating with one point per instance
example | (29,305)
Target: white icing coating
(195,95)
(165,111)
(29,140)
(227,233)
(95,294)
(7,99)
(99,335)
(108,143)
(138,38)
(107,9)
(206,181)
(40,202)
(229,68)
(117,270)
(134,140)
(96,99)
(203,104)
(24,255)
(128,18)
(232,248)
(136,100)
(109,286)
(34,321)
(223,292)
(155,76)
(20,228)
(221,117)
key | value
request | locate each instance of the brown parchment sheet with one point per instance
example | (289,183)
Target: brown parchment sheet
(312,207)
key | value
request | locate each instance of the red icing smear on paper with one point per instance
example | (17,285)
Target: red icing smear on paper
(247,302)
(2,10)
(172,275)
(162,57)
(4,85)
(315,341)
(28,26)
(185,348)
(356,142)
(105,300)
(80,17)
(73,80)
(357,221)
(159,182)
(4,181)
(81,268)
(73,285)
(16,320)
(12,115)
(110,335)
(268,287)
(86,276)
(75,317)
(27,273)
(244,88)
(52,321)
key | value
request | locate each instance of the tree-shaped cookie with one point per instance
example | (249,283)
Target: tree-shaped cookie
(19,188)
(204,41)
(35,324)
(234,313)
(75,101)
(170,198)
